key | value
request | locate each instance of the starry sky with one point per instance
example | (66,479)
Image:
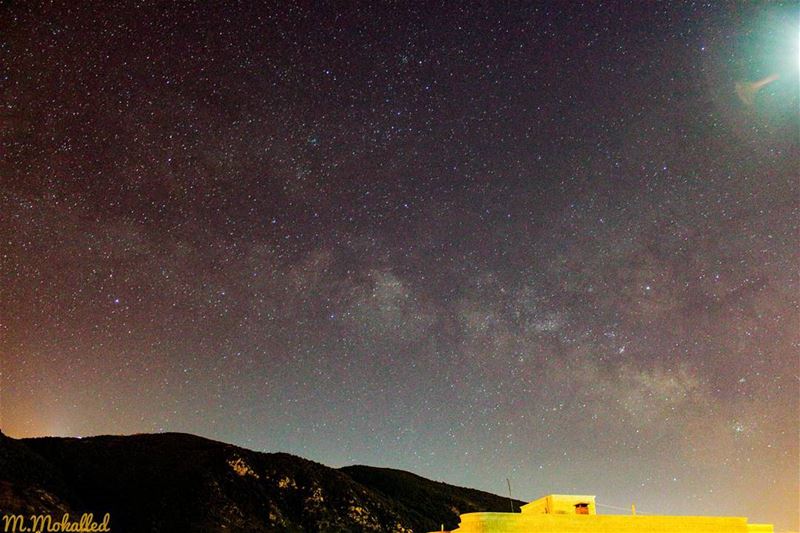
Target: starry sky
(542,241)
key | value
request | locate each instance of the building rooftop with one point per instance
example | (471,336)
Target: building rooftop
(577,513)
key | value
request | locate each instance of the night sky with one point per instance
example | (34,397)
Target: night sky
(538,241)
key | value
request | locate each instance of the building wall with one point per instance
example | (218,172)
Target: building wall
(565,523)
(559,504)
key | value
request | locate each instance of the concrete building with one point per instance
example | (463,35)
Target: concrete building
(559,513)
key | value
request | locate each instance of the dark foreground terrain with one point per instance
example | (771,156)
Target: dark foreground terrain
(177,482)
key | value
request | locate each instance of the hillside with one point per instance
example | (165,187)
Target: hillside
(29,484)
(179,482)
(426,502)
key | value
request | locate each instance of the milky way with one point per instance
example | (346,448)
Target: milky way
(543,242)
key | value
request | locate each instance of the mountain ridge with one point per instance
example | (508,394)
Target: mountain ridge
(183,482)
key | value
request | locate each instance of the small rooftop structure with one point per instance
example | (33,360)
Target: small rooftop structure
(570,513)
(561,504)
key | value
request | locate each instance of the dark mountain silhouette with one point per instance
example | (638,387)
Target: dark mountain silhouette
(29,484)
(423,499)
(179,482)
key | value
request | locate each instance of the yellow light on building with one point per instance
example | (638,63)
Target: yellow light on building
(563,513)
